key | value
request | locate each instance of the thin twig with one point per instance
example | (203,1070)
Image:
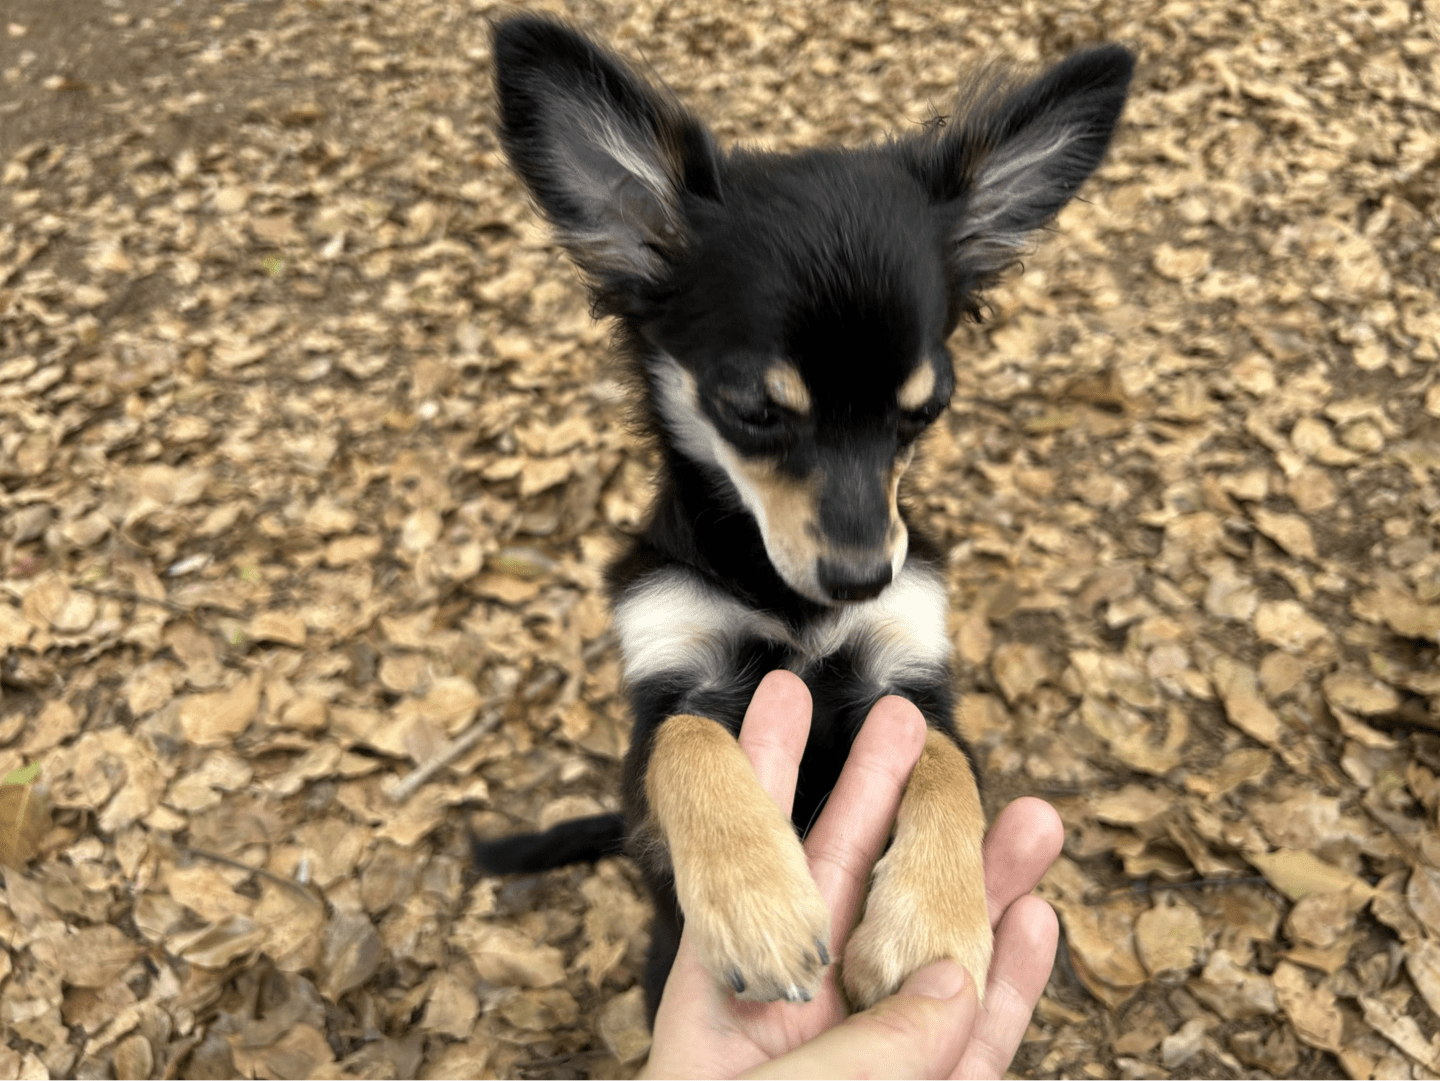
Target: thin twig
(1191,884)
(163,602)
(487,721)
(453,750)
(239,865)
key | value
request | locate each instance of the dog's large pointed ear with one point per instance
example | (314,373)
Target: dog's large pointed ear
(608,158)
(1013,155)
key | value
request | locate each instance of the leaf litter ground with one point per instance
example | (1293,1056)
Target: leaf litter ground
(311,458)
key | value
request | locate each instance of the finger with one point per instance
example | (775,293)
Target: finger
(918,1032)
(851,831)
(1025,944)
(1019,848)
(773,734)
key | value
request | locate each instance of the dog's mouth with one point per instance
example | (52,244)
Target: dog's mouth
(847,582)
(837,578)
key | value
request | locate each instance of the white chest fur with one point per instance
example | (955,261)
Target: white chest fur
(673,622)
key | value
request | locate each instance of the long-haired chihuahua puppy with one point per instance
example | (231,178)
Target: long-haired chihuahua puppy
(786,318)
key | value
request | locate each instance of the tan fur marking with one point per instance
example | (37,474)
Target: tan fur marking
(792,509)
(740,873)
(927,897)
(916,390)
(897,535)
(785,387)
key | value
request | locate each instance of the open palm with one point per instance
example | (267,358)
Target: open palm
(701,1030)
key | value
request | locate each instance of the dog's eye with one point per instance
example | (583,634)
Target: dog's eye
(762,416)
(912,424)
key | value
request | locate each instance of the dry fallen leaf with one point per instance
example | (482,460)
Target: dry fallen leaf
(623,1027)
(94,956)
(1169,938)
(350,954)
(1300,874)
(503,955)
(1244,706)
(1232,991)
(1312,1010)
(24,818)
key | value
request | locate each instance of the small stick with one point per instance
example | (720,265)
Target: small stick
(240,865)
(477,731)
(453,750)
(163,602)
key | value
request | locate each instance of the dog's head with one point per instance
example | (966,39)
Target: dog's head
(792,310)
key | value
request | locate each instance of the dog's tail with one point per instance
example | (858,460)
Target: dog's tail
(581,840)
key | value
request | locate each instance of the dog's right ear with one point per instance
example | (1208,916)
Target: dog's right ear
(609,159)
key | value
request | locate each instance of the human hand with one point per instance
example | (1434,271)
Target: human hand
(933,1026)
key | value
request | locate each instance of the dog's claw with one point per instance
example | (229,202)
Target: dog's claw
(737,982)
(796,994)
(822,951)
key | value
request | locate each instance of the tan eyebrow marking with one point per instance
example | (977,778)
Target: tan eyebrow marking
(784,385)
(917,389)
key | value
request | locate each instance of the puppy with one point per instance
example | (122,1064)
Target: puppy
(785,316)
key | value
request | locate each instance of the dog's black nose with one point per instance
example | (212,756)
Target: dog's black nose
(847,582)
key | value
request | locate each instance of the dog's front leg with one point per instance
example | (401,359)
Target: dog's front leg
(927,895)
(740,874)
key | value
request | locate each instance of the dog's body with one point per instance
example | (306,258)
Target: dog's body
(787,318)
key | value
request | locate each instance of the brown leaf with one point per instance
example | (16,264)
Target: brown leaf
(24,820)
(451,1008)
(1401,1030)
(1312,1010)
(504,956)
(1132,805)
(287,628)
(351,953)
(1102,944)
(1286,624)
(1244,706)
(1422,961)
(623,1026)
(1019,668)
(1322,919)
(218,944)
(1233,992)
(1360,693)
(212,720)
(1169,938)
(94,956)
(1301,874)
(1423,893)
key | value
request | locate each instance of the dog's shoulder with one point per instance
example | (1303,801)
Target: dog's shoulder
(672,620)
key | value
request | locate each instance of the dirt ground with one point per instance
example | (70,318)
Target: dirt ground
(311,457)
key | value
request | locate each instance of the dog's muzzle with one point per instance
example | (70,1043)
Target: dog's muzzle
(848,582)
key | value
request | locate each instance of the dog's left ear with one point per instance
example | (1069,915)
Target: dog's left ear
(1014,155)
(609,159)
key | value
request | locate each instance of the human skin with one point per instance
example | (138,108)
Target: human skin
(933,1027)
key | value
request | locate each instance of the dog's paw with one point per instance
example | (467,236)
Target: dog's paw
(760,924)
(915,914)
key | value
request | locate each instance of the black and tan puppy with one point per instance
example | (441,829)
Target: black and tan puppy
(786,316)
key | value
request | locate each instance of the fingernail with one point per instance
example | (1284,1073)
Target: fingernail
(943,979)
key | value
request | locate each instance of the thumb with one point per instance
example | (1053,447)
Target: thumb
(920,1031)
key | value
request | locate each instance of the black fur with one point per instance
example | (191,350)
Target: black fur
(853,265)
(581,840)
